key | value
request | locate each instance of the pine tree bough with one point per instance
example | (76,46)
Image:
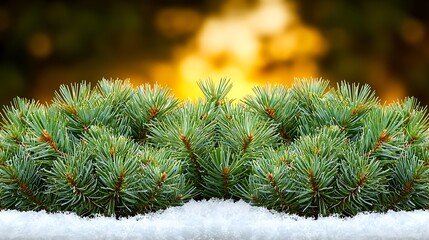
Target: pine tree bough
(311,150)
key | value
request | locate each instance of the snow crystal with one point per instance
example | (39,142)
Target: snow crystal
(214,219)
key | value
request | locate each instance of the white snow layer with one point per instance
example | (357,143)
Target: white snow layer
(214,219)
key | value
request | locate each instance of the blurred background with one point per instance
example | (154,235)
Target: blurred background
(174,42)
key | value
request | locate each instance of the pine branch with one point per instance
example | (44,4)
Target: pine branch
(381,136)
(360,183)
(46,137)
(74,101)
(280,195)
(409,185)
(147,104)
(21,186)
(275,103)
(224,171)
(14,131)
(271,183)
(188,146)
(215,93)
(189,138)
(415,123)
(163,182)
(246,133)
(50,139)
(158,185)
(72,183)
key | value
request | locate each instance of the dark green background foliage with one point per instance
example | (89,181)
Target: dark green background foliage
(309,150)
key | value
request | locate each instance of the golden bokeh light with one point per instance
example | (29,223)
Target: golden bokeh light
(413,31)
(271,17)
(4,20)
(229,38)
(173,22)
(261,43)
(40,45)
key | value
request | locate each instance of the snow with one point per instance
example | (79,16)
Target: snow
(214,219)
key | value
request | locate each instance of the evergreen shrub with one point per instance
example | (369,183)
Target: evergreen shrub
(311,150)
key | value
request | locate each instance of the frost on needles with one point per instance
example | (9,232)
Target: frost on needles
(310,150)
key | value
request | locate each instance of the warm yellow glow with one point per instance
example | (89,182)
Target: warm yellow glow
(242,84)
(193,67)
(162,73)
(282,46)
(249,42)
(265,42)
(394,91)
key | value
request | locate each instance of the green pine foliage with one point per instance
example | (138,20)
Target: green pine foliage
(309,149)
